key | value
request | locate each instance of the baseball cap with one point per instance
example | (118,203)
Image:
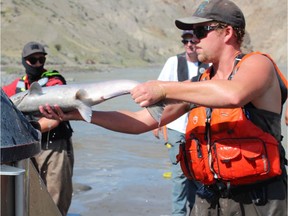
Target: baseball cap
(187,32)
(214,10)
(33,47)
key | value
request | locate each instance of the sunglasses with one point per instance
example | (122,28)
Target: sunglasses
(202,31)
(34,60)
(186,41)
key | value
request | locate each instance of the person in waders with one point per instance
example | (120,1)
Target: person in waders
(181,67)
(233,137)
(56,159)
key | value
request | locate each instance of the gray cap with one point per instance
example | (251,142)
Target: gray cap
(31,48)
(214,10)
(187,32)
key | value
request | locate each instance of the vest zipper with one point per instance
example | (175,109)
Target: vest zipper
(208,139)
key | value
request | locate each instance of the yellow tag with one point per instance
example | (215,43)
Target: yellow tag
(168,145)
(167,174)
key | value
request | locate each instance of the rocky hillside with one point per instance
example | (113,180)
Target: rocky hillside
(95,34)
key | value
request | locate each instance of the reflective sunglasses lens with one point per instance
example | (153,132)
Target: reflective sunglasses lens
(200,32)
(42,60)
(34,60)
(185,41)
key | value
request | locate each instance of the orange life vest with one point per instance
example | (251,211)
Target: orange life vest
(223,144)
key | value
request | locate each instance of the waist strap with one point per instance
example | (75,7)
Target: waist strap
(224,191)
(57,145)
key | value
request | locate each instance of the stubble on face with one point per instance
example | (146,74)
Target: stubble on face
(202,57)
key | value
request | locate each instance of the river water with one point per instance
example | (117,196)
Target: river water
(124,172)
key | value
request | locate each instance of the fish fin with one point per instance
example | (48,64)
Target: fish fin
(83,96)
(84,108)
(35,88)
(85,111)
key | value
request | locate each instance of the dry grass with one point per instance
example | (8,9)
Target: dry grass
(93,34)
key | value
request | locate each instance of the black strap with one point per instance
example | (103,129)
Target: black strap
(201,69)
(182,69)
(282,88)
(236,61)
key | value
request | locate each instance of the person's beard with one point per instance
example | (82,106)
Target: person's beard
(33,73)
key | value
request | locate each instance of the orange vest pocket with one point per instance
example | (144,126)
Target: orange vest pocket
(193,158)
(245,160)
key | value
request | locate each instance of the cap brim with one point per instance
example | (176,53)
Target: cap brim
(188,22)
(28,54)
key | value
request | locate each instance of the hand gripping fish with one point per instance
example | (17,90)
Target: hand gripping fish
(72,96)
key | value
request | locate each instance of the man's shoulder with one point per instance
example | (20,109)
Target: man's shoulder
(171,62)
(51,72)
(54,78)
(172,58)
(259,62)
(255,57)
(54,81)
